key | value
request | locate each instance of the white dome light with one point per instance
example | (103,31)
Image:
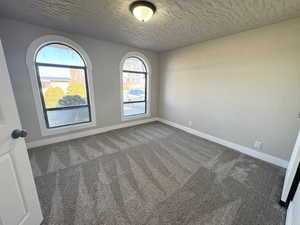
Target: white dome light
(142,10)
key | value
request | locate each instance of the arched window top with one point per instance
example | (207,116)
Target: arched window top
(59,54)
(134,64)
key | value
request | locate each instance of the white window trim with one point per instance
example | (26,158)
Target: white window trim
(30,60)
(148,68)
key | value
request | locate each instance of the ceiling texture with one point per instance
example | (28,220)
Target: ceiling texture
(176,23)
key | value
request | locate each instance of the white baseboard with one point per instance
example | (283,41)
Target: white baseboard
(237,147)
(66,137)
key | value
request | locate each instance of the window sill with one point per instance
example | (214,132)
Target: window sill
(66,129)
(141,116)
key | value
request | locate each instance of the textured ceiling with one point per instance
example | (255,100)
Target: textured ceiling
(176,23)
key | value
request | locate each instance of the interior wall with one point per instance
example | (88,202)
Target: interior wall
(105,57)
(241,88)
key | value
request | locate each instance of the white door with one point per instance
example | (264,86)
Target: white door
(291,170)
(19,202)
(293,216)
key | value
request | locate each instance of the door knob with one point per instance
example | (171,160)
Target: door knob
(18,133)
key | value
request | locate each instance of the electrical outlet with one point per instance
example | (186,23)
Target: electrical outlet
(190,123)
(258,145)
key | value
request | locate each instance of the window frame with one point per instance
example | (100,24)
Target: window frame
(32,52)
(147,100)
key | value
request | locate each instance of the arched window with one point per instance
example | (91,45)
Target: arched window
(134,86)
(61,73)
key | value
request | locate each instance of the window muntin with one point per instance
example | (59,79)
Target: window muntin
(134,77)
(62,79)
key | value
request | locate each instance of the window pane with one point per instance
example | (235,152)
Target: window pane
(132,109)
(68,116)
(62,87)
(59,54)
(134,87)
(134,64)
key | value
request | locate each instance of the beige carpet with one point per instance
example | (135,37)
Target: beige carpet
(157,175)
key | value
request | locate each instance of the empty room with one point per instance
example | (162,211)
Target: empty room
(157,112)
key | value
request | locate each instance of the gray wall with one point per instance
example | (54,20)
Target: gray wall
(105,57)
(240,88)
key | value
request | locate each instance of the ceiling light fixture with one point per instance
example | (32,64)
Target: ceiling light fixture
(142,10)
